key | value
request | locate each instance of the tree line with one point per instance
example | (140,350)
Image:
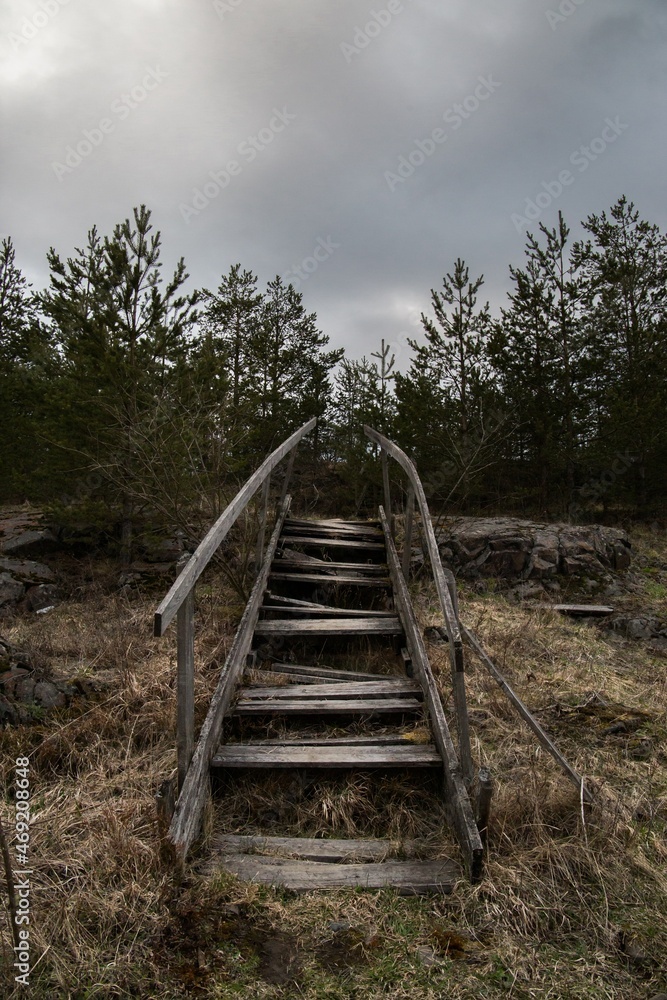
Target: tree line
(122,394)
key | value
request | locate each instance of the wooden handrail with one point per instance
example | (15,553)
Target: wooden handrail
(206,549)
(180,599)
(448,611)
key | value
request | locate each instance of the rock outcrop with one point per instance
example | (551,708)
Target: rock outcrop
(514,549)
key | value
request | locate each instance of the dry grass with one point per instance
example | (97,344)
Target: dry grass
(573,902)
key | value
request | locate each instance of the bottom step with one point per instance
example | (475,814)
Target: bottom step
(410,878)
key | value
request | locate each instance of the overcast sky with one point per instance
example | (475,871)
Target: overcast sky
(356,148)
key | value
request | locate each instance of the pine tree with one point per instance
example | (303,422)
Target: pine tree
(624,271)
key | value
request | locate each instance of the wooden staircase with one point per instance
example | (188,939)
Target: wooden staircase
(330,596)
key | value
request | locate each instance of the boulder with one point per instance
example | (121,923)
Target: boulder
(27,571)
(515,549)
(34,541)
(11,590)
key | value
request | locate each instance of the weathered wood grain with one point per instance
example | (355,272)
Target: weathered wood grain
(311,541)
(409,877)
(326,612)
(327,756)
(310,848)
(404,705)
(337,689)
(331,626)
(185,686)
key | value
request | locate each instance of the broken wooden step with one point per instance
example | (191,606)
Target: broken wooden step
(331,626)
(410,878)
(337,580)
(402,697)
(327,754)
(327,673)
(310,541)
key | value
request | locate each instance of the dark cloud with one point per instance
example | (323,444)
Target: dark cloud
(367,84)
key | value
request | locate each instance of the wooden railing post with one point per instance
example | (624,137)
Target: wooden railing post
(387,491)
(185,686)
(407,540)
(288,476)
(261,537)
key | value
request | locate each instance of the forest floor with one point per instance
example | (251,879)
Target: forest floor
(573,902)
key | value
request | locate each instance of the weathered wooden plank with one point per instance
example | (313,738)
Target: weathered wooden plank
(459,805)
(329,566)
(216,534)
(337,580)
(331,626)
(294,556)
(326,612)
(409,877)
(335,543)
(185,686)
(325,672)
(337,530)
(187,815)
(336,689)
(261,535)
(525,714)
(386,488)
(327,756)
(404,704)
(576,610)
(378,739)
(334,522)
(309,848)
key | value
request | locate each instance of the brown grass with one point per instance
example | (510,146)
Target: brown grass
(573,901)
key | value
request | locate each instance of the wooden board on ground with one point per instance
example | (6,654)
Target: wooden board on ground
(328,756)
(409,877)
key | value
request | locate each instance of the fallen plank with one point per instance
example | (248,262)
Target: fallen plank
(329,566)
(326,672)
(335,543)
(577,610)
(329,706)
(327,756)
(335,689)
(337,580)
(327,612)
(308,848)
(329,626)
(409,877)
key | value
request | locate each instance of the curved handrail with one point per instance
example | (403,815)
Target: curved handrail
(444,596)
(206,549)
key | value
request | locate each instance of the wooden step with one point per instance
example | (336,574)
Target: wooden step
(336,689)
(326,673)
(409,877)
(334,522)
(398,738)
(403,705)
(311,848)
(339,580)
(326,755)
(331,626)
(327,566)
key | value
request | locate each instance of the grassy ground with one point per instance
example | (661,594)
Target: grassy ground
(573,901)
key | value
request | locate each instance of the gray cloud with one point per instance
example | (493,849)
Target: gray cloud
(356,113)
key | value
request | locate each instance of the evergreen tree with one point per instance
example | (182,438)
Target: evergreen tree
(624,270)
